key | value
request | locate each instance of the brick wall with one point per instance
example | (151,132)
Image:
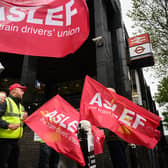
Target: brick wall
(29,150)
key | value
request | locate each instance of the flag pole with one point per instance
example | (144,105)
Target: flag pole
(86,141)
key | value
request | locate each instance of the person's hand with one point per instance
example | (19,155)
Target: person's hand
(13,126)
(24,116)
(111,89)
(2,97)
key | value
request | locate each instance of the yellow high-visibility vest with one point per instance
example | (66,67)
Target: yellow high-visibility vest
(12,115)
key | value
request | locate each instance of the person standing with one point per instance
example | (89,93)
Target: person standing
(48,157)
(12,115)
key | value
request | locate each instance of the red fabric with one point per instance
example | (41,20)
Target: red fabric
(56,123)
(107,109)
(49,28)
(28,2)
(17,85)
(98,137)
(59,129)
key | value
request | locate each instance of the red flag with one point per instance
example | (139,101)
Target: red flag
(98,138)
(107,109)
(49,28)
(56,122)
(28,2)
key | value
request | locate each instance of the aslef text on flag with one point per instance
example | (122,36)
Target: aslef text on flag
(129,121)
(53,28)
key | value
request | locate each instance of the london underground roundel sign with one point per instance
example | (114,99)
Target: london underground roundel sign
(139,49)
(140,46)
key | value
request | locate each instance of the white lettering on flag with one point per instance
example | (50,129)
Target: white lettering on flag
(127,116)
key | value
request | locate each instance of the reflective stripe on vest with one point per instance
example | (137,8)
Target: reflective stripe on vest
(13,115)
